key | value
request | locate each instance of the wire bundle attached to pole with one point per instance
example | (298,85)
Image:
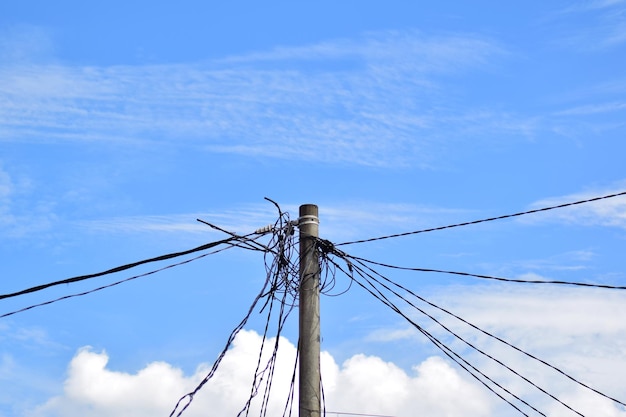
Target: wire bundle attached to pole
(279,296)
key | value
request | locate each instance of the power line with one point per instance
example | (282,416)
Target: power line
(278,287)
(66,297)
(346,257)
(327,248)
(124,267)
(468,274)
(506,216)
(377,293)
(457,335)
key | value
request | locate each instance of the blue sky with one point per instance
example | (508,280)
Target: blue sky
(120,124)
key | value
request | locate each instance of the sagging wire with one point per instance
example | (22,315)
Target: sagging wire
(190,396)
(229,245)
(267,372)
(329,248)
(376,293)
(467,274)
(284,290)
(329,270)
(279,287)
(471,345)
(292,387)
(368,277)
(529,355)
(490,219)
(118,268)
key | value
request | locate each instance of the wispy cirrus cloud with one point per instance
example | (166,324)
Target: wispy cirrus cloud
(605,28)
(376,100)
(337,221)
(592,109)
(14,221)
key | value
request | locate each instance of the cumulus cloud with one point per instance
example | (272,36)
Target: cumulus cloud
(363,384)
(579,331)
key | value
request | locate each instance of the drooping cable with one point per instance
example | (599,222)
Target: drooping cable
(287,410)
(119,268)
(468,274)
(474,372)
(190,396)
(571,378)
(276,275)
(457,336)
(506,216)
(278,288)
(351,260)
(113,284)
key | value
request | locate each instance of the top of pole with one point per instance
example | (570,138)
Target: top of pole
(308,215)
(309,209)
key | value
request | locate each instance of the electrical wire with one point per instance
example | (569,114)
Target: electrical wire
(518,374)
(350,261)
(121,268)
(189,397)
(109,285)
(571,378)
(328,247)
(467,274)
(278,288)
(376,293)
(292,386)
(506,216)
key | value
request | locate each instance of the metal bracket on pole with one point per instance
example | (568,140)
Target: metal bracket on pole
(308,219)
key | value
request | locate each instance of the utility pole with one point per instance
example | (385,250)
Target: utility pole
(309,291)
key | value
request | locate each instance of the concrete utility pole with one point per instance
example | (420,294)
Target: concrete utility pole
(309,344)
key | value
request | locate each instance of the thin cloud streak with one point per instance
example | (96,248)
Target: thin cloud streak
(343,221)
(606,26)
(366,102)
(593,109)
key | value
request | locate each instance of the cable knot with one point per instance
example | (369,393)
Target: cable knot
(326,246)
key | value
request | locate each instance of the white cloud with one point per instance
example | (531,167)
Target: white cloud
(605,28)
(371,101)
(363,384)
(593,109)
(6,185)
(36,218)
(580,331)
(358,219)
(25,43)
(404,49)
(390,335)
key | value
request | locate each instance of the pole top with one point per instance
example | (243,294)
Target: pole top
(309,209)
(308,215)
